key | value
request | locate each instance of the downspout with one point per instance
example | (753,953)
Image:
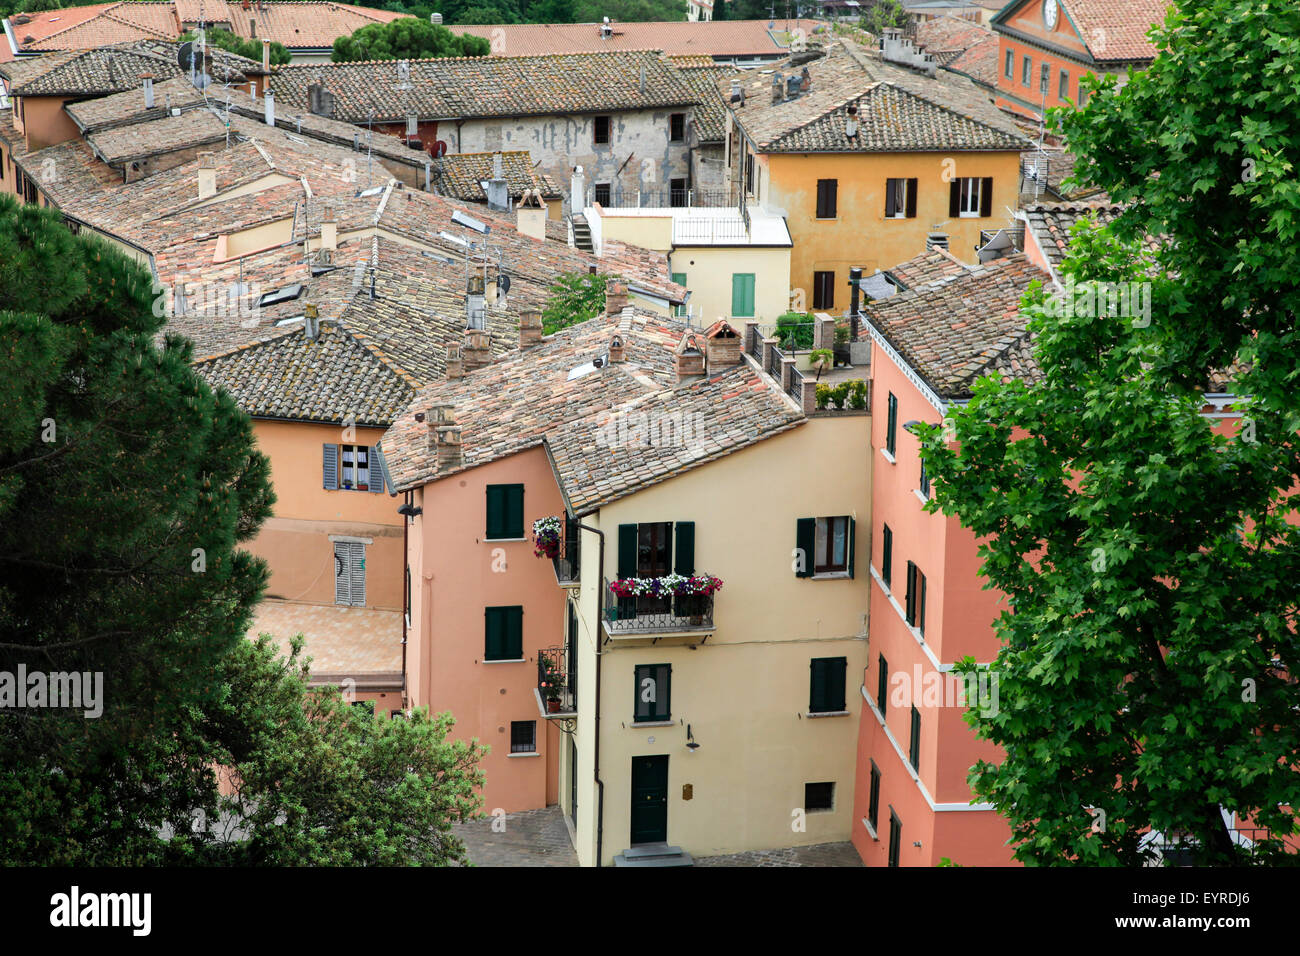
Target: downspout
(600,784)
(406,594)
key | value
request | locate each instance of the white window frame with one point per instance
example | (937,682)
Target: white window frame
(969,193)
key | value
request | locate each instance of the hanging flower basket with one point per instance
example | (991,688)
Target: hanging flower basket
(546,537)
(670,585)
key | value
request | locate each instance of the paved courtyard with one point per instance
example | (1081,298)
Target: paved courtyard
(540,838)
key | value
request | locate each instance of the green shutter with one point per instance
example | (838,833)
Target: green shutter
(684,552)
(513,636)
(505,511)
(627,546)
(492,634)
(680,279)
(514,511)
(853,529)
(742,294)
(503,630)
(805,539)
(891,425)
(838,669)
(495,511)
(817,692)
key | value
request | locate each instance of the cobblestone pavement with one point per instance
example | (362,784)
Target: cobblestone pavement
(820,854)
(540,838)
(531,838)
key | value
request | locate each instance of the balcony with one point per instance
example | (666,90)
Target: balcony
(566,569)
(557,538)
(557,687)
(656,616)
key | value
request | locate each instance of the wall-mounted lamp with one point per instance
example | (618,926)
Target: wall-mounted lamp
(691,745)
(410,511)
(910,426)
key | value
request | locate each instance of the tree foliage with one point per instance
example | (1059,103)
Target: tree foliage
(573,297)
(406,39)
(1146,559)
(126,489)
(252,49)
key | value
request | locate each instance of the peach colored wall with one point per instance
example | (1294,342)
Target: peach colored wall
(45,123)
(295,541)
(945,554)
(456,574)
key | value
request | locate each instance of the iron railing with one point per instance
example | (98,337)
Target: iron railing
(566,563)
(628,616)
(661,198)
(555,684)
(795,390)
(703,230)
(755,345)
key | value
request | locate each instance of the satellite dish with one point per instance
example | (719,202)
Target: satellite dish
(203,81)
(185,55)
(503,284)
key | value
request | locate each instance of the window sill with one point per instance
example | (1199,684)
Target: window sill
(504,660)
(654,723)
(969,215)
(920,497)
(870,829)
(831,576)
(813,715)
(889,457)
(531,753)
(500,540)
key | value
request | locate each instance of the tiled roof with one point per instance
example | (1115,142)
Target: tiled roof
(298,25)
(460,175)
(474,87)
(716,39)
(929,267)
(292,377)
(710,108)
(361,643)
(1059,164)
(120,109)
(949,33)
(953,331)
(895,112)
(123,144)
(1050,224)
(1115,30)
(979,62)
(527,399)
(112,69)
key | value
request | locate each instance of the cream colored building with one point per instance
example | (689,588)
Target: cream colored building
(735,266)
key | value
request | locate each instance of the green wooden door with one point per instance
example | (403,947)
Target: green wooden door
(650,799)
(742,294)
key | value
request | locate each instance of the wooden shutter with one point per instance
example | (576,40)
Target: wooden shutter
(911,594)
(882,685)
(853,530)
(374,470)
(914,746)
(921,611)
(805,539)
(357,571)
(891,425)
(330,467)
(891,197)
(492,634)
(911,198)
(514,511)
(684,551)
(496,511)
(513,633)
(837,669)
(627,542)
(832,198)
(342,573)
(954,199)
(986,196)
(887,555)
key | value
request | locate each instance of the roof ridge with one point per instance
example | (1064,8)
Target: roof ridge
(243,346)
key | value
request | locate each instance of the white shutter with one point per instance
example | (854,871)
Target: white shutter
(342,572)
(358,573)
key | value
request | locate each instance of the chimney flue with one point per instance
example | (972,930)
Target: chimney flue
(688,361)
(146,80)
(615,296)
(207,176)
(266,59)
(269,100)
(455,365)
(530,328)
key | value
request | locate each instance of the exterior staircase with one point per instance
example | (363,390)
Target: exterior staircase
(654,854)
(582,233)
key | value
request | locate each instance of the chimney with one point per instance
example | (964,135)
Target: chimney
(146,80)
(498,190)
(435,19)
(530,215)
(266,58)
(530,328)
(805,81)
(269,99)
(851,123)
(616,348)
(855,294)
(475,303)
(936,240)
(688,360)
(778,88)
(329,230)
(444,437)
(477,350)
(455,365)
(320,100)
(311,322)
(722,347)
(207,175)
(252,28)
(615,296)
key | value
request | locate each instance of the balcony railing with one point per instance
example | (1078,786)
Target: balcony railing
(556,687)
(644,615)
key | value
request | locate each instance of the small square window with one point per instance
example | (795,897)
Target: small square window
(653,693)
(523,736)
(818,797)
(1010,66)
(1026,70)
(677,127)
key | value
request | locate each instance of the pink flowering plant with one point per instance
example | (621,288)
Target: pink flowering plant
(546,537)
(677,585)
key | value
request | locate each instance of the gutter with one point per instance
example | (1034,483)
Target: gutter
(600,784)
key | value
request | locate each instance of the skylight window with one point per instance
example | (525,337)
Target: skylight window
(287,294)
(372,191)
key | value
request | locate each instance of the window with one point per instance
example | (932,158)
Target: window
(827,198)
(887,555)
(601,130)
(1063,87)
(366,705)
(350,573)
(823,290)
(1026,70)
(915,603)
(503,633)
(654,550)
(970,196)
(1010,68)
(742,294)
(818,797)
(601,194)
(900,198)
(831,555)
(1083,94)
(523,736)
(895,837)
(347,467)
(914,744)
(882,685)
(677,193)
(749,173)
(873,800)
(826,695)
(680,279)
(925,481)
(2,165)
(406,598)
(505,512)
(891,426)
(653,693)
(676,127)
(1045,77)
(824,546)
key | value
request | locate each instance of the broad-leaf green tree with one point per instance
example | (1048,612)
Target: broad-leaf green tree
(574,297)
(406,39)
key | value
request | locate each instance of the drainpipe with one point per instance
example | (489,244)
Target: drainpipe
(406,606)
(600,784)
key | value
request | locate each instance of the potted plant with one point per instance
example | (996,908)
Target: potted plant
(553,687)
(858,394)
(546,537)
(821,360)
(823,396)
(842,356)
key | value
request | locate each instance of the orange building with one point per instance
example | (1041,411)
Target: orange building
(1047,46)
